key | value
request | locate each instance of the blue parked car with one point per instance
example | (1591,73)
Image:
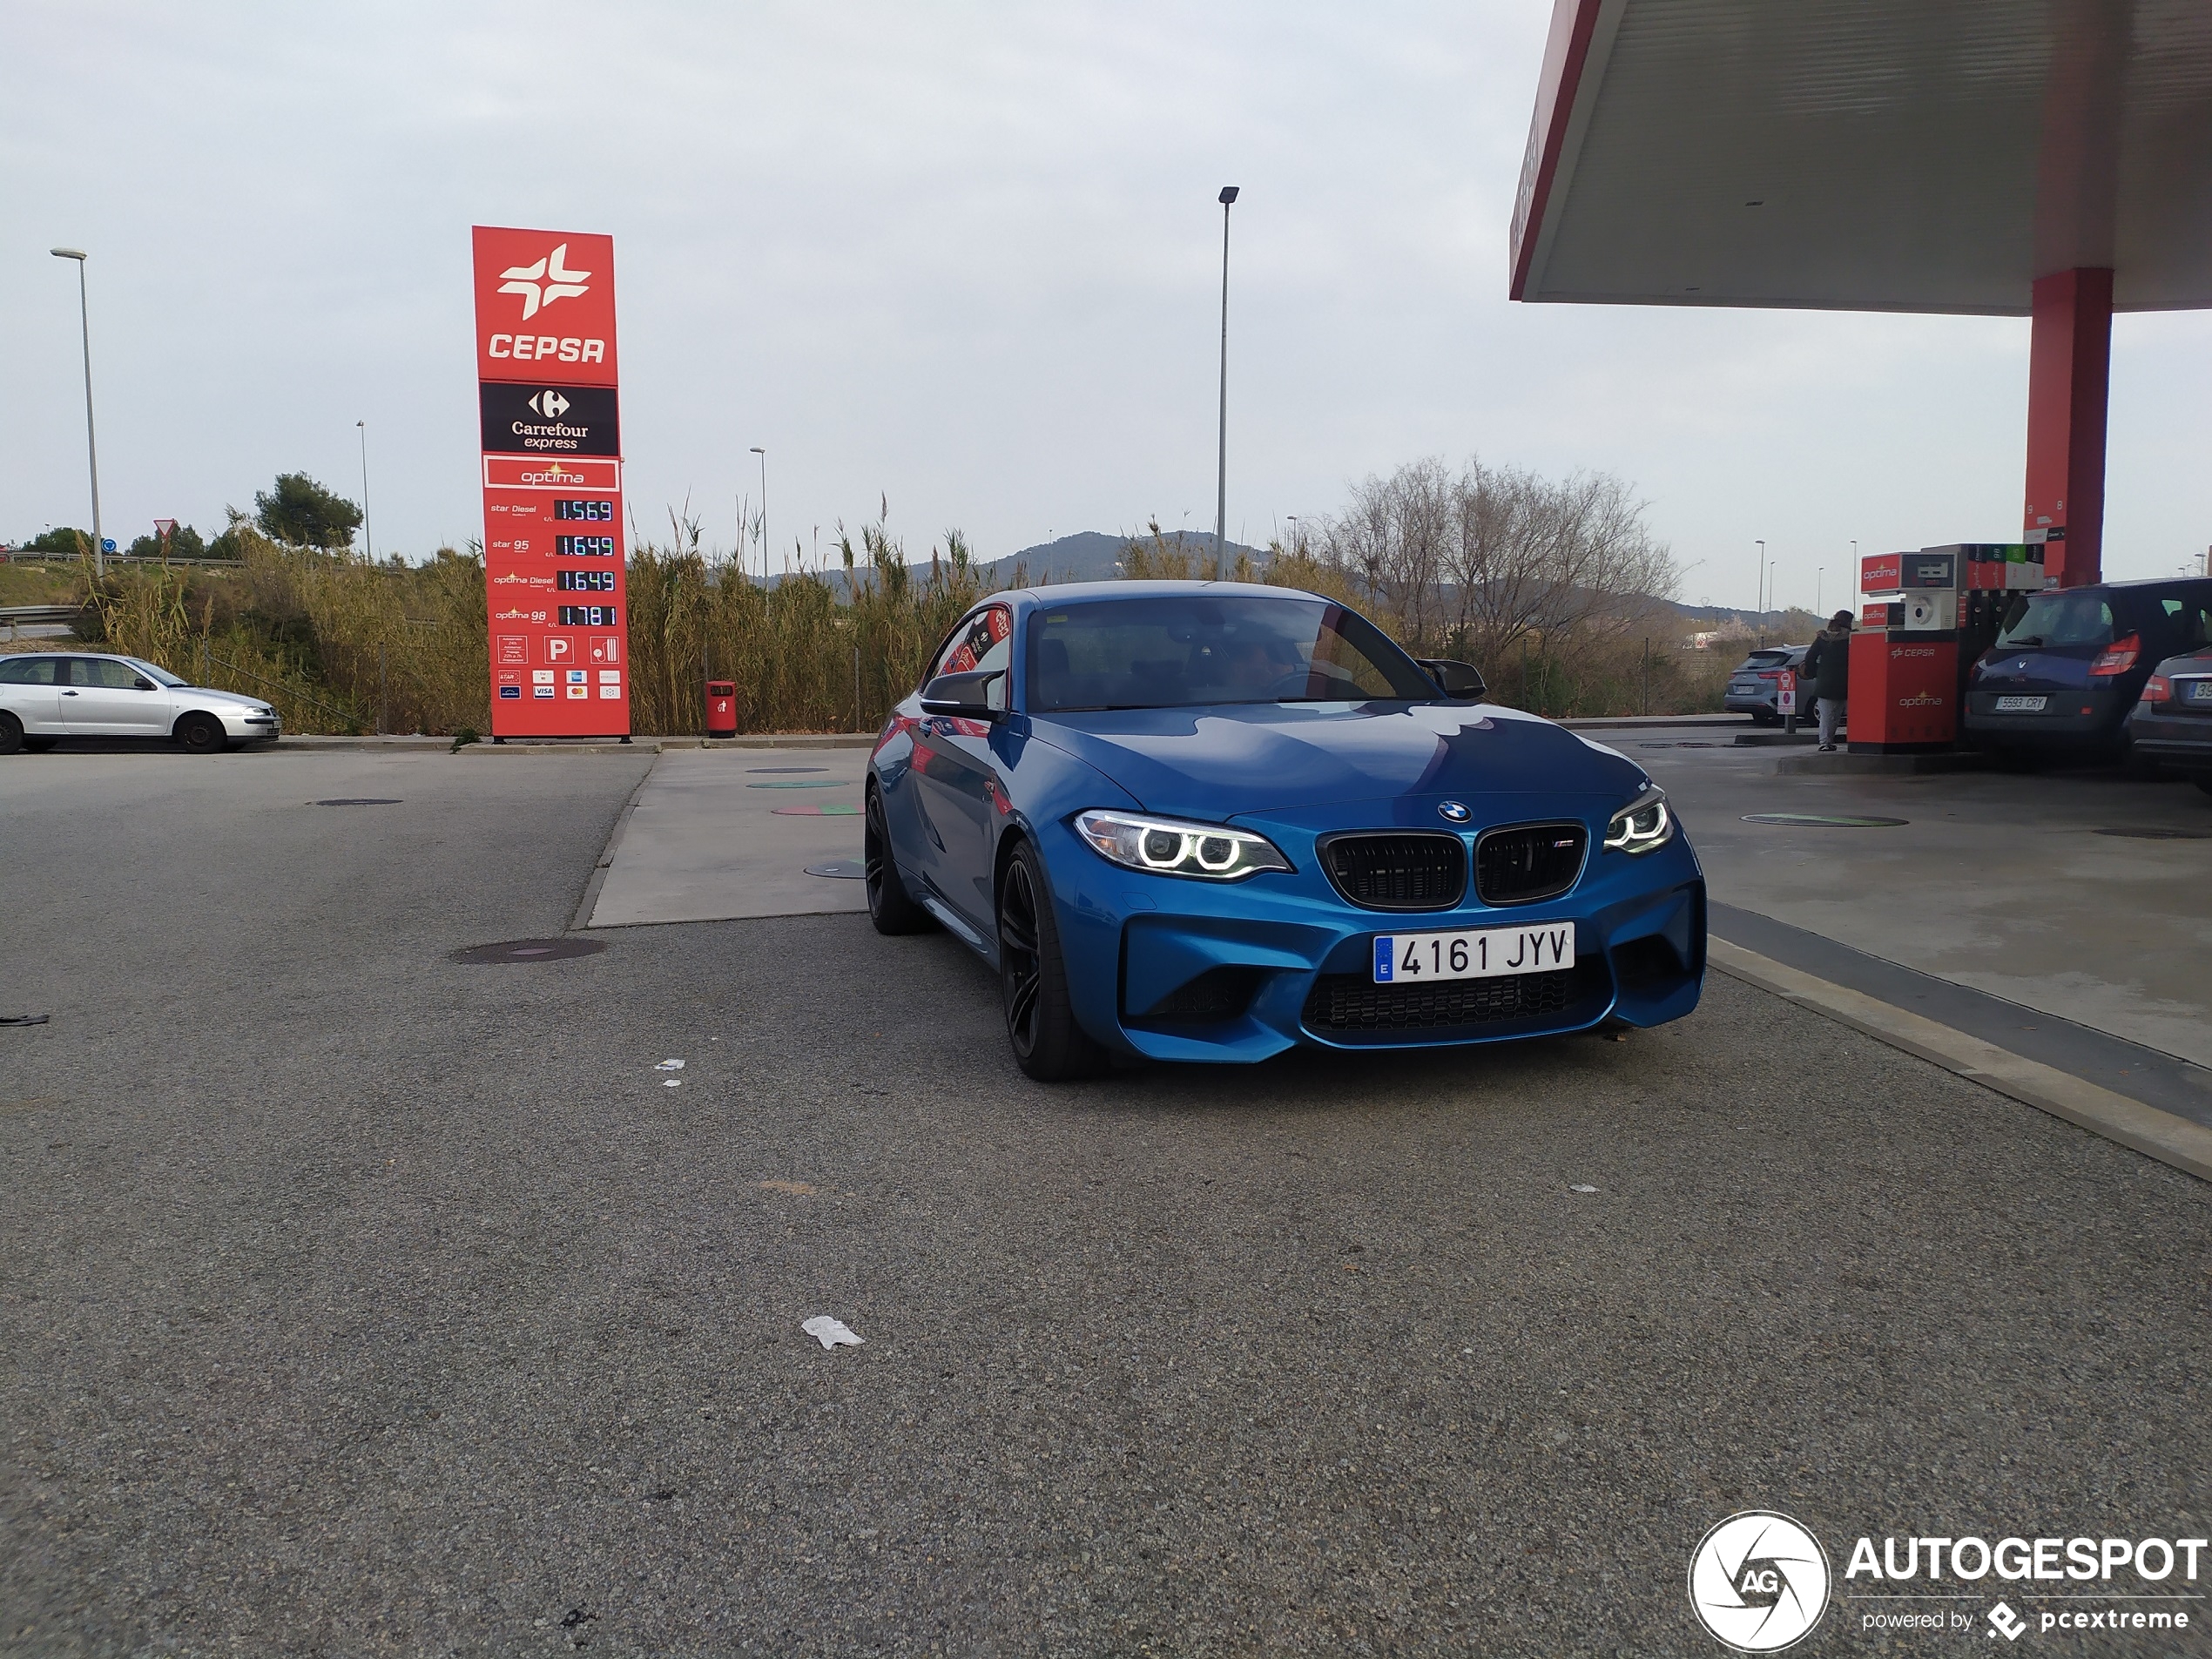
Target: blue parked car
(1210,820)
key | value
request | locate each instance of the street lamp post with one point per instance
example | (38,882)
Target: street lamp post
(1759,597)
(92,445)
(763,454)
(1221,470)
(368,536)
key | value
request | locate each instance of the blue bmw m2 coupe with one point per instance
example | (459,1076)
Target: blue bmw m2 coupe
(1209,821)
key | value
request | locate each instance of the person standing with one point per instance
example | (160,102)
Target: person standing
(1827,671)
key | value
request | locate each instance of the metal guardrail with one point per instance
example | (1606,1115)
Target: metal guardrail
(16,616)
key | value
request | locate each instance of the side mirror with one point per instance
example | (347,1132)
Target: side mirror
(142,684)
(968,697)
(1462,682)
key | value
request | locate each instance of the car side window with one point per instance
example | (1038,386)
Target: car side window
(28,670)
(106,672)
(984,641)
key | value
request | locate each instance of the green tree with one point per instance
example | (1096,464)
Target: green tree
(304,513)
(60,539)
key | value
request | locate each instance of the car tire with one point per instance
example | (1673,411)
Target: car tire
(1033,980)
(890,907)
(202,734)
(40,746)
(10,734)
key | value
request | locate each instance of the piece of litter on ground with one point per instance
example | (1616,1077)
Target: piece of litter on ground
(830,1334)
(1579,1189)
(23,1019)
(670,1065)
(671,1083)
(796,1188)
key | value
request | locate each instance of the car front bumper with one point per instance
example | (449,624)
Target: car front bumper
(1173,968)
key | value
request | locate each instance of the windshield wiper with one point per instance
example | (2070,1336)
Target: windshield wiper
(2028,643)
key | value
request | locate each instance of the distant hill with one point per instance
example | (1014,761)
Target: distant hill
(1092,555)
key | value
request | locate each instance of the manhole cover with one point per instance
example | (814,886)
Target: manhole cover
(804,783)
(359,800)
(764,769)
(2148,834)
(850,869)
(1824,820)
(828,809)
(528,950)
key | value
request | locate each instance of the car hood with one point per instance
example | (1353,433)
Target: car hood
(208,696)
(1219,762)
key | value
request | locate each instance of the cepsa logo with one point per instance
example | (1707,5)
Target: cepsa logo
(545,297)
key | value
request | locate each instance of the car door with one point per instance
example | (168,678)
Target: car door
(27,691)
(956,774)
(106,697)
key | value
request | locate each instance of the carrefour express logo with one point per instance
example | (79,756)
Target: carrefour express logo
(1759,1582)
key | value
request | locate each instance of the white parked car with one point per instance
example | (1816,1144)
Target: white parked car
(75,694)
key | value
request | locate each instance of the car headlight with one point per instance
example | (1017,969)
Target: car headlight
(1176,846)
(1643,826)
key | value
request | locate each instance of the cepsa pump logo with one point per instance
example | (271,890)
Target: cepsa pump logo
(545,297)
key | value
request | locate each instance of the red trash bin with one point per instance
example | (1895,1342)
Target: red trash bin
(721,708)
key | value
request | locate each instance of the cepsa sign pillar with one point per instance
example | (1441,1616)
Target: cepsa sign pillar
(552,474)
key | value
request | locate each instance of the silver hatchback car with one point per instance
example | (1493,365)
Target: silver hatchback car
(75,694)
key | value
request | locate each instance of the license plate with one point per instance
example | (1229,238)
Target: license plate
(2200,691)
(1487,952)
(2021,704)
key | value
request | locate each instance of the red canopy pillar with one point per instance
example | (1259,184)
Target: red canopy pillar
(2069,373)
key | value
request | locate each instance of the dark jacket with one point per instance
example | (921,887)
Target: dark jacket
(1826,669)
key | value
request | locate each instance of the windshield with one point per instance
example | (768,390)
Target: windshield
(2081,618)
(1178,650)
(1763,659)
(153,672)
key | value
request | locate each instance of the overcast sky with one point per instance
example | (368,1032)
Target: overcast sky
(964,257)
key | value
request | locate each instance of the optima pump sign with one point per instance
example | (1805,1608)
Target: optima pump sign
(552,475)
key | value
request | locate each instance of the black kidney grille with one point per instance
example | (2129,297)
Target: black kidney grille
(1347,1003)
(1528,861)
(1398,872)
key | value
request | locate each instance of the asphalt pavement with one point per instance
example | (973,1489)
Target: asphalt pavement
(358,1300)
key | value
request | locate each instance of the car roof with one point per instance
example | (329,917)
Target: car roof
(1149,588)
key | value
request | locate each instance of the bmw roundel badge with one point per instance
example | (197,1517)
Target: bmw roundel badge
(1455,812)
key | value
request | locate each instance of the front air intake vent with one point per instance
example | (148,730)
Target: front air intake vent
(1528,862)
(1398,870)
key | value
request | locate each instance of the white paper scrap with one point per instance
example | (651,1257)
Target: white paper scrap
(1581,1188)
(671,1083)
(670,1065)
(830,1334)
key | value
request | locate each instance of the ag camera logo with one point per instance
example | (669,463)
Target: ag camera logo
(1759,1581)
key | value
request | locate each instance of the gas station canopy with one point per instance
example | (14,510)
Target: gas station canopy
(1881,155)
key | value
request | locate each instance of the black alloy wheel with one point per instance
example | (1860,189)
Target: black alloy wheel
(1041,1024)
(10,734)
(890,907)
(202,734)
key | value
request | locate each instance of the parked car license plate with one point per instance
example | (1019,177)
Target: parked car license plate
(2201,691)
(1487,953)
(2021,704)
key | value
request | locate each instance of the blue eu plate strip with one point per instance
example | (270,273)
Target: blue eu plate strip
(1386,958)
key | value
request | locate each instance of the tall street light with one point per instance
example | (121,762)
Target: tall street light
(763,454)
(1759,586)
(91,445)
(368,536)
(1221,474)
